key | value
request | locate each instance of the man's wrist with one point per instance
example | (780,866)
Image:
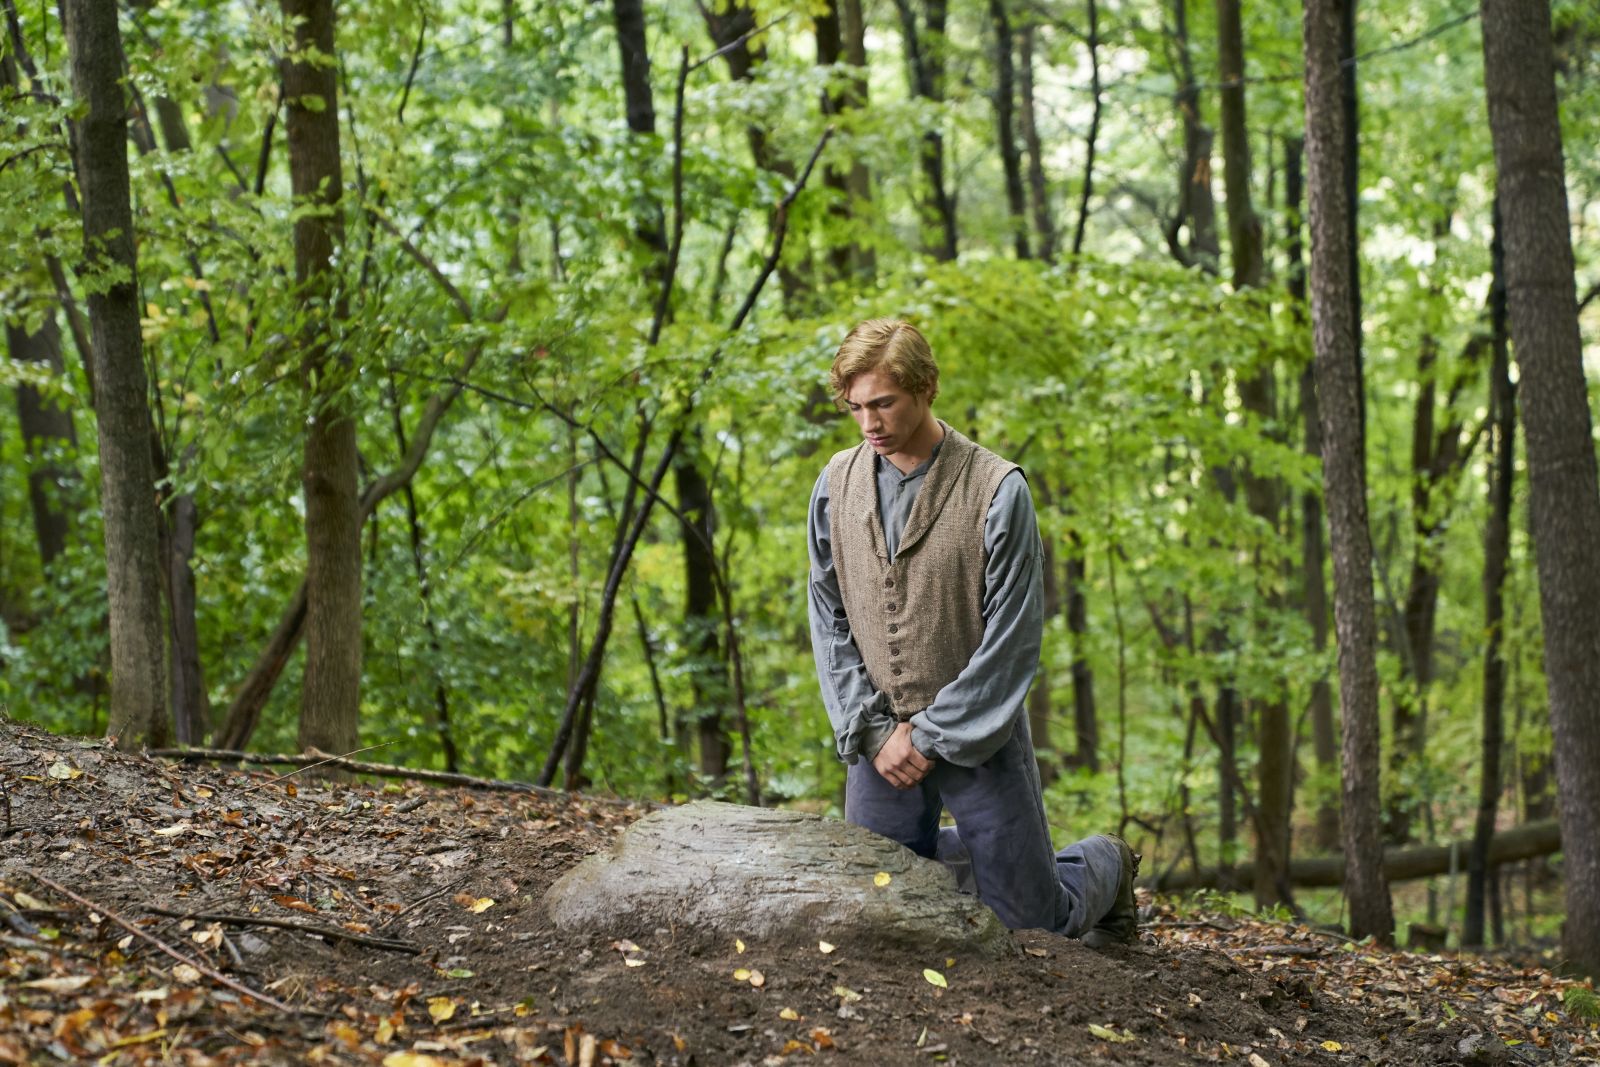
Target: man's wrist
(923,743)
(874,736)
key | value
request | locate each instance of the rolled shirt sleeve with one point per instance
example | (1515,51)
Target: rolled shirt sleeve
(859,713)
(972,717)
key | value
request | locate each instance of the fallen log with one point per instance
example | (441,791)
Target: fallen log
(1399,864)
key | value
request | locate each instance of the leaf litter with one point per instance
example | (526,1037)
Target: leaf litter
(454,877)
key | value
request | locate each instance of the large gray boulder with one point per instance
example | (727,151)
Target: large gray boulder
(711,870)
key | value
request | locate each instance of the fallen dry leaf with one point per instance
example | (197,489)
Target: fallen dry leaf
(441,1008)
(825,948)
(1105,1033)
(935,978)
(881,879)
(758,979)
(789,1015)
(60,985)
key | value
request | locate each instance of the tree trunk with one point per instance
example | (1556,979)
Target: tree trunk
(127,497)
(1313,582)
(1092,138)
(854,29)
(1197,206)
(1496,561)
(1257,391)
(331,697)
(1038,188)
(1564,504)
(1399,864)
(48,437)
(1040,711)
(830,45)
(1085,721)
(924,55)
(1005,100)
(708,672)
(1344,474)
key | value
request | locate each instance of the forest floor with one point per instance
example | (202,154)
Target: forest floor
(460,964)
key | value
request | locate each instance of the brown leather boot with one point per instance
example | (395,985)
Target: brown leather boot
(1120,925)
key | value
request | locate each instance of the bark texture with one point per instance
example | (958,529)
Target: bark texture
(1519,78)
(127,479)
(1344,474)
(717,871)
(924,54)
(331,697)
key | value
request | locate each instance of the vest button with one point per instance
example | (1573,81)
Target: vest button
(896,671)
(888,583)
(889,607)
(898,694)
(893,628)
(894,651)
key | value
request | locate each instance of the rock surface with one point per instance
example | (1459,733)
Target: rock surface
(711,869)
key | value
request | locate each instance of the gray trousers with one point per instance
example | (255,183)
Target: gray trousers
(1000,846)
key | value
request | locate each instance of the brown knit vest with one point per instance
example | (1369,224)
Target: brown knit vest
(918,620)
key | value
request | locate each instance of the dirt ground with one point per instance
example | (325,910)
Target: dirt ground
(461,965)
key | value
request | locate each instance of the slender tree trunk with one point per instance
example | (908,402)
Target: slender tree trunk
(1496,561)
(708,671)
(127,479)
(331,698)
(1092,138)
(830,46)
(1257,391)
(1005,102)
(1044,226)
(1085,720)
(1344,474)
(924,55)
(1349,102)
(1313,583)
(48,438)
(854,32)
(1197,207)
(1519,79)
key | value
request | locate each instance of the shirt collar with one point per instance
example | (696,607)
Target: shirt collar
(884,466)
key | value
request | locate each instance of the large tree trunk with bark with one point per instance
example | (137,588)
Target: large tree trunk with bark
(1564,508)
(853,32)
(1496,562)
(1344,474)
(331,697)
(48,436)
(127,478)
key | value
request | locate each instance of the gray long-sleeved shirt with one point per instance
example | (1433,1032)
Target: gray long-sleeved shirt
(972,717)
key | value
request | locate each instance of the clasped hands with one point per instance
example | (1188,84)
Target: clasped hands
(899,762)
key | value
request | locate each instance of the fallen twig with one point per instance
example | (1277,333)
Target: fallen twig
(415,904)
(288,924)
(199,965)
(319,763)
(382,770)
(1275,950)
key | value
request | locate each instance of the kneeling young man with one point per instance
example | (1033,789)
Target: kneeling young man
(926,618)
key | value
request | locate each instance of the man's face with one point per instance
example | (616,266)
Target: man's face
(889,416)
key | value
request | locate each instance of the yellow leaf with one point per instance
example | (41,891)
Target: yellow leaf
(935,978)
(385,1032)
(185,973)
(441,1008)
(1332,1046)
(789,1014)
(824,948)
(845,994)
(741,975)
(949,961)
(62,772)
(738,946)
(1257,1061)
(482,904)
(632,961)
(881,879)
(411,1059)
(1105,1033)
(32,903)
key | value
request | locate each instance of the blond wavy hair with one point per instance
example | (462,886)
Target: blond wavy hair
(893,346)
